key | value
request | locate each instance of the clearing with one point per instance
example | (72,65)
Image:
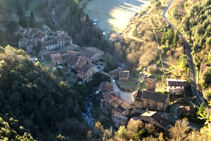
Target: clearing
(114,14)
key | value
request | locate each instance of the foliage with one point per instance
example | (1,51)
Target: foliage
(36,99)
(206,75)
(207,95)
(201,109)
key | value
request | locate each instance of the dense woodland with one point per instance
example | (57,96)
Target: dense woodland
(35,105)
(193,19)
(31,100)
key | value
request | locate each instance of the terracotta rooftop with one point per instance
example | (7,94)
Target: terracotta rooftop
(106,87)
(32,42)
(65,56)
(73,52)
(73,47)
(40,35)
(29,30)
(34,31)
(85,68)
(73,60)
(115,73)
(80,75)
(123,74)
(23,40)
(48,43)
(175,82)
(90,51)
(157,117)
(81,63)
(56,57)
(155,96)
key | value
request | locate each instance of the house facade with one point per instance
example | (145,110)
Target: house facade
(85,73)
(176,87)
(93,53)
(56,59)
(123,75)
(150,100)
(156,119)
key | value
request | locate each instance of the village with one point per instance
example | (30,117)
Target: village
(56,50)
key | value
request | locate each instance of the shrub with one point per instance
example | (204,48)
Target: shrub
(165,48)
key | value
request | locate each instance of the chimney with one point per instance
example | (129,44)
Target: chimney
(147,110)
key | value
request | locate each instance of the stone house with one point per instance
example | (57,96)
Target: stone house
(186,111)
(65,58)
(56,59)
(63,41)
(22,42)
(34,32)
(156,119)
(93,53)
(150,100)
(85,73)
(49,45)
(28,32)
(151,82)
(117,108)
(61,33)
(41,36)
(115,73)
(175,86)
(118,119)
(73,62)
(20,32)
(30,45)
(123,75)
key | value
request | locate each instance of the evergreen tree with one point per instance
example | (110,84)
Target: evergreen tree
(32,20)
(176,37)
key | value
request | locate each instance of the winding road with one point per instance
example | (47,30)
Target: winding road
(189,57)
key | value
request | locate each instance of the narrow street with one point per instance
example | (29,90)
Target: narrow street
(126,96)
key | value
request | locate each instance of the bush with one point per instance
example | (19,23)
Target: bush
(207,95)
(165,49)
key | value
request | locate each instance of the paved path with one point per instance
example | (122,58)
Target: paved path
(126,96)
(139,82)
(189,57)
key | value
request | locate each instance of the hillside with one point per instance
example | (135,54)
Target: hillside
(41,104)
(192,19)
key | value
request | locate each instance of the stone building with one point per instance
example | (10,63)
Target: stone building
(150,100)
(115,73)
(93,53)
(56,59)
(151,82)
(22,42)
(156,119)
(123,75)
(117,108)
(186,111)
(85,73)
(176,87)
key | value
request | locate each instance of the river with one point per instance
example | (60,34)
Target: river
(88,108)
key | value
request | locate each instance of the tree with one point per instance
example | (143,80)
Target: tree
(32,20)
(207,95)
(201,109)
(178,132)
(176,38)
(206,76)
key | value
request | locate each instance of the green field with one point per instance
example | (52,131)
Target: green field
(114,14)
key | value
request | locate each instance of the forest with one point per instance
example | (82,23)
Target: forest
(33,102)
